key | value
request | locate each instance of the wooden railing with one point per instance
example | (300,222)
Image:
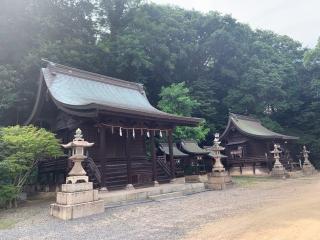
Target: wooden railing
(92,167)
(163,164)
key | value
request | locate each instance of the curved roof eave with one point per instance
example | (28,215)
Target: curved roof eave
(271,136)
(47,79)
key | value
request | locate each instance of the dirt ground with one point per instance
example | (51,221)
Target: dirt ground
(252,208)
(293,217)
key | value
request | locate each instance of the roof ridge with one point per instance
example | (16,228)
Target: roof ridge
(94,76)
(244,117)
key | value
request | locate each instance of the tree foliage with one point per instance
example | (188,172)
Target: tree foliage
(176,99)
(20,150)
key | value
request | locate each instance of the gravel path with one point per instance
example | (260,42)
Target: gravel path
(170,219)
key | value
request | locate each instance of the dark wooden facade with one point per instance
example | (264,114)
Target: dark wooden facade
(112,113)
(248,145)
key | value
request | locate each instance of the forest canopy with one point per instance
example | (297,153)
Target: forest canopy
(226,65)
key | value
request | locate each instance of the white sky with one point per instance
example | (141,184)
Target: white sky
(299,19)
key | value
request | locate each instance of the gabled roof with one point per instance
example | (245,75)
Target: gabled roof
(192,147)
(83,93)
(164,147)
(250,126)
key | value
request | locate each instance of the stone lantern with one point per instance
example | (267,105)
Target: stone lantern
(278,169)
(77,173)
(216,153)
(218,177)
(307,168)
(77,197)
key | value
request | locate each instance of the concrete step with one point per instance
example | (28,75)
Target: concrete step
(165,196)
(170,190)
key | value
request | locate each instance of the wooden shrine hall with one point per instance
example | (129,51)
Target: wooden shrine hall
(248,145)
(114,114)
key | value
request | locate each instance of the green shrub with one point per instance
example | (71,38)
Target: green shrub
(21,147)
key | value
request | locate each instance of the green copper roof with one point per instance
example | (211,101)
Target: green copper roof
(164,147)
(252,127)
(76,91)
(191,146)
(84,93)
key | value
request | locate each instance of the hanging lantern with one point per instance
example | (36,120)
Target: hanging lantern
(160,133)
(148,134)
(120,132)
(133,133)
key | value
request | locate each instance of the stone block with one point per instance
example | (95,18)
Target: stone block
(192,178)
(228,179)
(67,212)
(235,171)
(216,181)
(78,187)
(247,171)
(95,194)
(261,171)
(308,170)
(278,172)
(68,198)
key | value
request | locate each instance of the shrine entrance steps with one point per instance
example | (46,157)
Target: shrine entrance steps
(158,193)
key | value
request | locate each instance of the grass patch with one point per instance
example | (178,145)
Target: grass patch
(7,223)
(248,181)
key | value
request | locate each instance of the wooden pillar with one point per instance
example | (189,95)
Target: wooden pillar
(129,168)
(172,163)
(154,157)
(102,155)
(269,164)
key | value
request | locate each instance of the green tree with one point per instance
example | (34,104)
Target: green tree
(176,99)
(21,148)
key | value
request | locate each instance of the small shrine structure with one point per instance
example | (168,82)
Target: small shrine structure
(248,144)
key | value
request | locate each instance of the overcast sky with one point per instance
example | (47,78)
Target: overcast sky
(299,19)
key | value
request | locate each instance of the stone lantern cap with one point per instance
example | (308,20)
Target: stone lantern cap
(78,141)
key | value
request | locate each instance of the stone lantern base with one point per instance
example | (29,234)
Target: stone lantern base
(217,180)
(278,171)
(308,169)
(76,201)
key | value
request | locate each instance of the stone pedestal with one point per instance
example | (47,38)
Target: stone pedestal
(216,180)
(76,200)
(192,178)
(247,171)
(261,171)
(308,169)
(278,171)
(228,179)
(235,171)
